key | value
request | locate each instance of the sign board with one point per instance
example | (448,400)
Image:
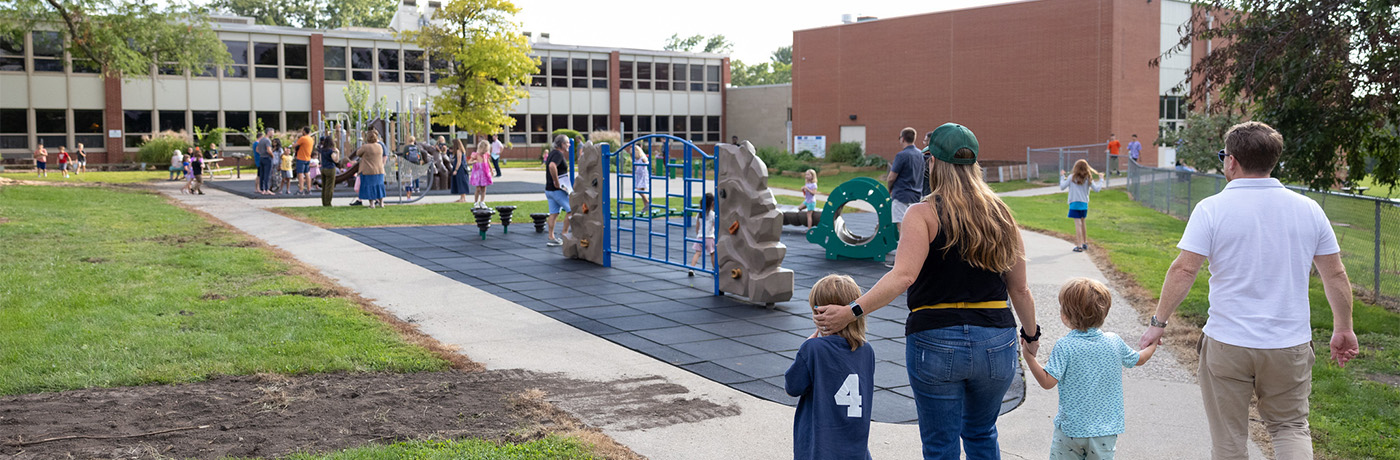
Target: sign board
(814,144)
(114,133)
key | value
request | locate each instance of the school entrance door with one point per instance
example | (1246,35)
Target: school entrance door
(854,134)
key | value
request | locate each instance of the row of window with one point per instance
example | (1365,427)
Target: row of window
(47,54)
(52,128)
(535,129)
(663,76)
(139,123)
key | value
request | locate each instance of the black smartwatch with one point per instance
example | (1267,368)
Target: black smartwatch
(1029,338)
(856,310)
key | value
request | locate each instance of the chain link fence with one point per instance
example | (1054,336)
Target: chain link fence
(1048,162)
(1367,228)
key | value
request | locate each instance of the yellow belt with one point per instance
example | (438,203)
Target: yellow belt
(941,306)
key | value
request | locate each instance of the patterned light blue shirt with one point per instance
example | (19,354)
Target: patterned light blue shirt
(1086,363)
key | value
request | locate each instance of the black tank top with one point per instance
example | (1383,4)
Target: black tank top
(947,278)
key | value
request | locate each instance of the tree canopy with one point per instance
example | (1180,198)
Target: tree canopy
(1203,136)
(314,14)
(488,58)
(716,44)
(1324,73)
(125,38)
(777,70)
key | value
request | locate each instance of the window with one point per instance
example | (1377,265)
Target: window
(600,73)
(137,124)
(171,120)
(265,60)
(269,119)
(205,120)
(1171,108)
(624,74)
(169,68)
(643,124)
(663,76)
(679,72)
(679,125)
(237,121)
(539,129)
(538,78)
(697,128)
(294,62)
(580,123)
(663,124)
(335,63)
(643,75)
(580,73)
(362,58)
(712,125)
(205,71)
(389,65)
(559,71)
(87,126)
(413,66)
(629,128)
(600,122)
(52,126)
(14,129)
(560,122)
(239,52)
(48,51)
(711,78)
(298,120)
(11,54)
(517,131)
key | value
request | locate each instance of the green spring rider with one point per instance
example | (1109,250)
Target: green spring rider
(839,241)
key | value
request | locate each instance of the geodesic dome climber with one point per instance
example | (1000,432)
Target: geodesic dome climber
(748,229)
(588,215)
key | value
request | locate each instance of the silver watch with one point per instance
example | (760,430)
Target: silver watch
(1155,323)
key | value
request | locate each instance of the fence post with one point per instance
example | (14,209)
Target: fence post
(1376,269)
(1190,184)
(1028,165)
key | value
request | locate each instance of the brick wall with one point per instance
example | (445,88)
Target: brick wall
(1032,74)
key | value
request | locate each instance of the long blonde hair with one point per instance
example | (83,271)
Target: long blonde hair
(1082,172)
(840,290)
(973,217)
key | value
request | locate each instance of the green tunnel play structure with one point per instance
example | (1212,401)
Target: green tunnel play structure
(839,241)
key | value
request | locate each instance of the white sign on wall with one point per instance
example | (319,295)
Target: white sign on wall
(814,144)
(114,133)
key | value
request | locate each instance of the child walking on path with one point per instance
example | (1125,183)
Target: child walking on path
(1079,182)
(1087,365)
(834,377)
(705,232)
(641,179)
(809,195)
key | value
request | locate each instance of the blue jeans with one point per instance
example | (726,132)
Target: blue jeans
(959,375)
(264,173)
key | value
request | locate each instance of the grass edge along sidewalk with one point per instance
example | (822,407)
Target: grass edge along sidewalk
(1355,410)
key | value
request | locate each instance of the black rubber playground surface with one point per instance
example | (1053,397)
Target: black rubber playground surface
(244,188)
(658,310)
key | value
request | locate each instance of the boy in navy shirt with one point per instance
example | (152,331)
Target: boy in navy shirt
(834,376)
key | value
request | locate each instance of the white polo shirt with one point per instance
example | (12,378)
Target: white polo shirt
(1260,239)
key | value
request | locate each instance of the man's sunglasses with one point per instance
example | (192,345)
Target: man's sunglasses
(1222,155)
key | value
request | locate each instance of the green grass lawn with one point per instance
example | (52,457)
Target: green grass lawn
(106,286)
(1354,415)
(550,448)
(108,177)
(825,184)
(1383,191)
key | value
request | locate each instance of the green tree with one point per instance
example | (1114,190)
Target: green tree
(1323,73)
(489,59)
(782,55)
(1203,136)
(315,14)
(124,38)
(777,70)
(716,44)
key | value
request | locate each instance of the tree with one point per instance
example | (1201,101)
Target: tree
(715,44)
(124,38)
(1323,73)
(1204,136)
(783,55)
(490,63)
(777,70)
(315,14)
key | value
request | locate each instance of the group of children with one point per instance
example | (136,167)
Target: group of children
(833,377)
(192,170)
(77,162)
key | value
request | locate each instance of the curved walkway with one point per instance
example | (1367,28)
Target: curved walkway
(1164,408)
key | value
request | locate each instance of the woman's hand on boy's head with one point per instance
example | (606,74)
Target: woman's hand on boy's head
(833,317)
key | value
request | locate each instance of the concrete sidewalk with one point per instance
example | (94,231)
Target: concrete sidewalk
(1164,409)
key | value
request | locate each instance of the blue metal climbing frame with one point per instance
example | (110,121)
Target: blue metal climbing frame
(625,227)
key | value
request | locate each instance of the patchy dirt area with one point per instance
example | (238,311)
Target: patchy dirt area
(272,415)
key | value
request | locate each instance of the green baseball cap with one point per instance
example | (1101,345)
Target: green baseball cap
(948,139)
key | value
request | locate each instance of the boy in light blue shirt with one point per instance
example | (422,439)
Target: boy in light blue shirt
(1087,364)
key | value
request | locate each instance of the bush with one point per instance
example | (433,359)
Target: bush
(779,160)
(845,152)
(578,138)
(158,149)
(871,160)
(806,155)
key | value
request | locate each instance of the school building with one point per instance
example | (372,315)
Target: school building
(286,77)
(1040,73)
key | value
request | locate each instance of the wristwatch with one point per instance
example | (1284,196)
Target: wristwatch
(856,310)
(1155,323)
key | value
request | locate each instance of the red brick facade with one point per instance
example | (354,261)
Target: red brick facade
(1033,74)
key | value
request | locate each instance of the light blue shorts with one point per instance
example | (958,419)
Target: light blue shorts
(558,201)
(1098,447)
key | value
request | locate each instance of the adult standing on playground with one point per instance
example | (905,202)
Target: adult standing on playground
(496,147)
(960,258)
(371,155)
(906,178)
(302,164)
(328,154)
(1134,149)
(1262,241)
(262,154)
(555,190)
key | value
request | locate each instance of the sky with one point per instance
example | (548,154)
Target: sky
(755,27)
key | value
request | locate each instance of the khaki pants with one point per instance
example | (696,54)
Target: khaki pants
(1280,378)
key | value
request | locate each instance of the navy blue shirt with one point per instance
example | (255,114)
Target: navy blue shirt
(836,388)
(909,168)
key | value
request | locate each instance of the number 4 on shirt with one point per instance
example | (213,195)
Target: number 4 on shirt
(849,395)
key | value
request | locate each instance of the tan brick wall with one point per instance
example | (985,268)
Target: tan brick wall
(1033,74)
(758,114)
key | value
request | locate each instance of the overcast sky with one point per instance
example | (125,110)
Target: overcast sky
(756,27)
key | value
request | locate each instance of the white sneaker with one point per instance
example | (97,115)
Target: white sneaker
(554,242)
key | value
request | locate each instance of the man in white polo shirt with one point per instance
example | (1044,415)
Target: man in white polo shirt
(1261,240)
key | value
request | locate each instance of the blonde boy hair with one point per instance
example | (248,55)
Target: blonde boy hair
(1084,302)
(840,290)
